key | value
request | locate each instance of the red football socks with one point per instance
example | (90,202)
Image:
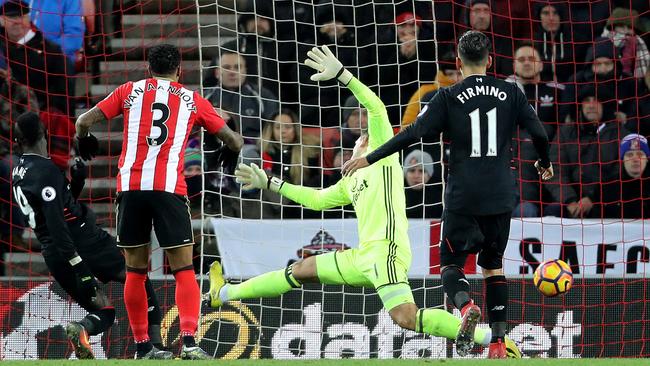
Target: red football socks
(188,300)
(135,299)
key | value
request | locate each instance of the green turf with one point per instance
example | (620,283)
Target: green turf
(443,362)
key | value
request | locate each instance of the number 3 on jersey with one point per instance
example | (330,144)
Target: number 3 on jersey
(475,120)
(163,115)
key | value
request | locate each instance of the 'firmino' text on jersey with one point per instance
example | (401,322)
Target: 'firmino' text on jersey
(477,90)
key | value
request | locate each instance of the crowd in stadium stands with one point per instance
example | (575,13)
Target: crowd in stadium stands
(583,68)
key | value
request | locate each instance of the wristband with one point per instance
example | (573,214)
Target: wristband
(274,184)
(344,76)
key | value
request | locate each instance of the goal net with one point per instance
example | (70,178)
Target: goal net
(302,131)
(580,63)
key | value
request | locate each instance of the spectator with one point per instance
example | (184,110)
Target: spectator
(192,170)
(61,22)
(643,105)
(447,75)
(406,59)
(341,155)
(603,72)
(234,93)
(15,99)
(586,22)
(293,157)
(60,136)
(632,49)
(334,27)
(478,16)
(543,98)
(586,156)
(256,42)
(553,40)
(354,119)
(99,18)
(288,154)
(423,196)
(630,198)
(35,61)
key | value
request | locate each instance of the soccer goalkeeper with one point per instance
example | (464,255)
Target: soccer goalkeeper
(383,258)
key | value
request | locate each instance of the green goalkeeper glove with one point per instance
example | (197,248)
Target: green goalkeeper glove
(253,177)
(327,66)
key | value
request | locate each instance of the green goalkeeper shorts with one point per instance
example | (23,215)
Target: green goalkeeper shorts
(381,265)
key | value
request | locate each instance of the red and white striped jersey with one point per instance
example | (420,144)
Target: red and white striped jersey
(158,117)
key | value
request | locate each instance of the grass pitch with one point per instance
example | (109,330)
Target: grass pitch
(370,362)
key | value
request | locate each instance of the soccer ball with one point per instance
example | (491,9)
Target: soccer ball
(553,277)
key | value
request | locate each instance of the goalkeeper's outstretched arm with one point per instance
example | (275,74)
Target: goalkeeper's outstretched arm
(328,67)
(253,177)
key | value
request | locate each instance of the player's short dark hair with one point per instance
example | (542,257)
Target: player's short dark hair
(29,129)
(164,59)
(523,44)
(474,48)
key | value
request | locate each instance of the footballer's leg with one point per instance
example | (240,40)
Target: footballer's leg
(334,268)
(460,235)
(388,265)
(107,263)
(270,284)
(134,220)
(496,229)
(154,317)
(172,223)
(101,314)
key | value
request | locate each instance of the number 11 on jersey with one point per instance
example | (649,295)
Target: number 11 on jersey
(475,120)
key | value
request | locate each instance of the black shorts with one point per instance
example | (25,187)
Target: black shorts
(169,213)
(466,234)
(100,253)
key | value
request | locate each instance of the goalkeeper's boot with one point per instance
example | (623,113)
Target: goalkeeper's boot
(216,283)
(497,350)
(512,351)
(79,338)
(465,336)
(194,353)
(155,354)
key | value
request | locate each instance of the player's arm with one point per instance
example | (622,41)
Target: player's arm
(52,207)
(328,67)
(87,119)
(77,177)
(430,122)
(253,177)
(108,108)
(50,199)
(208,118)
(560,188)
(379,128)
(527,118)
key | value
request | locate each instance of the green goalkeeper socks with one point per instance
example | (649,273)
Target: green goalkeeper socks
(270,284)
(440,323)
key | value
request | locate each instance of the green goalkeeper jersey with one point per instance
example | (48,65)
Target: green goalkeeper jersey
(376,192)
